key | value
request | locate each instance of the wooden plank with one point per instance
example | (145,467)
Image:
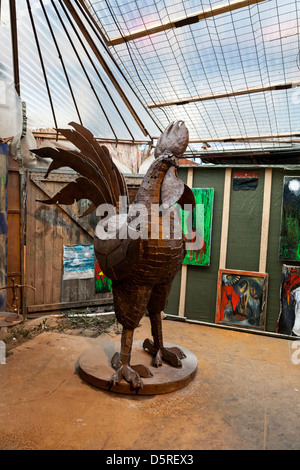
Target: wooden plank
(30,230)
(189,19)
(265,221)
(49,228)
(39,248)
(48,274)
(14,229)
(182,296)
(225,219)
(57,264)
(228,94)
(106,299)
(44,186)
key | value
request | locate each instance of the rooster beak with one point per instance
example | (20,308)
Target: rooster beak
(173,140)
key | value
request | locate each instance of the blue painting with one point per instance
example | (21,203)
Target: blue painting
(78,262)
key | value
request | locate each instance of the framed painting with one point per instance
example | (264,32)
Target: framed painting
(78,262)
(289,316)
(103,283)
(241,299)
(198,249)
(289,244)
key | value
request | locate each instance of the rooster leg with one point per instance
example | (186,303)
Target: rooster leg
(156,347)
(121,362)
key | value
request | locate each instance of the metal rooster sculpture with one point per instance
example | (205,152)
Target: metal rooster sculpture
(142,268)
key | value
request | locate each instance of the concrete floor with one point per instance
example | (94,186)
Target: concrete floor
(246,395)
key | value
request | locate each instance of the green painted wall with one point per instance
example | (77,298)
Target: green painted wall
(243,248)
(202,281)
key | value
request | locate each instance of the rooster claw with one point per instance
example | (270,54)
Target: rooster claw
(172,355)
(127,373)
(132,374)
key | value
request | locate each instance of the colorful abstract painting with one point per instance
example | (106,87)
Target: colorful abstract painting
(289,317)
(78,262)
(103,283)
(289,246)
(198,246)
(242,298)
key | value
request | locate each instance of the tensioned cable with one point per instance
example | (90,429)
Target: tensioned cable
(270,93)
(96,32)
(83,68)
(149,71)
(237,107)
(298,31)
(129,52)
(42,62)
(192,79)
(267,69)
(207,78)
(62,60)
(283,67)
(96,70)
(245,77)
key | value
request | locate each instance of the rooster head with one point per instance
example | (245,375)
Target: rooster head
(174,140)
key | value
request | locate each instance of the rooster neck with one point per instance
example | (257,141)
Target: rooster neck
(149,192)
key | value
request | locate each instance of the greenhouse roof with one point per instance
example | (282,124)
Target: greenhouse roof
(125,69)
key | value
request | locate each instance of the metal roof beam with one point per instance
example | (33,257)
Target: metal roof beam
(258,138)
(190,19)
(218,95)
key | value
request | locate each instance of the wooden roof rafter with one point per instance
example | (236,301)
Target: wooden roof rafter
(227,94)
(190,19)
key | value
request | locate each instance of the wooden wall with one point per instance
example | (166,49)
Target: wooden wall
(14,235)
(48,229)
(3,225)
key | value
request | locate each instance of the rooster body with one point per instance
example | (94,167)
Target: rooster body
(142,260)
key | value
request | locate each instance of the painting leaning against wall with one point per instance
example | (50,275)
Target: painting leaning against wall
(241,299)
(202,225)
(103,283)
(289,246)
(289,317)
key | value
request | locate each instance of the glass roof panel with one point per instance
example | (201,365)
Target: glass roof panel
(254,46)
(250,54)
(61,79)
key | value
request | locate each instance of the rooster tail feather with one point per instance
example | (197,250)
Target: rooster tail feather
(101,182)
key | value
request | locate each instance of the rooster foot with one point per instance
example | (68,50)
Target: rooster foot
(132,374)
(172,355)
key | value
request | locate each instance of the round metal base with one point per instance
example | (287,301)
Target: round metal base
(10,319)
(95,369)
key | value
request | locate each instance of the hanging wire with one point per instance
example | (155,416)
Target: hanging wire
(62,60)
(193,82)
(95,16)
(283,66)
(129,52)
(41,62)
(245,77)
(298,35)
(83,67)
(98,74)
